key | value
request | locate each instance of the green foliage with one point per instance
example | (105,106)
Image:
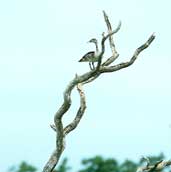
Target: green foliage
(128,166)
(23,167)
(95,164)
(99,164)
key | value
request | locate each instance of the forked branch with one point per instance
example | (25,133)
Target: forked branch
(103,43)
(80,111)
(53,160)
(132,60)
(115,54)
(61,131)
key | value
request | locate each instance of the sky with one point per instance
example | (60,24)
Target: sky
(128,112)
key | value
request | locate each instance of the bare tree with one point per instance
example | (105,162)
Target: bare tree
(160,165)
(101,67)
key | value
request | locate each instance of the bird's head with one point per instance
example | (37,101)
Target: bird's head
(93,40)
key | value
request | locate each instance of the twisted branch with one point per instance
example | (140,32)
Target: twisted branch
(53,160)
(132,60)
(80,111)
(89,76)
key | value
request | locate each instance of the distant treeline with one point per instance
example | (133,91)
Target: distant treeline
(94,164)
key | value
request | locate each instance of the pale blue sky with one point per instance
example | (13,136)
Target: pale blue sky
(40,44)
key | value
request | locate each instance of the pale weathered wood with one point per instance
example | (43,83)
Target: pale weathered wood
(157,166)
(61,131)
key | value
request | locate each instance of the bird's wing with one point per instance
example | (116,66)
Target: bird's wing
(87,57)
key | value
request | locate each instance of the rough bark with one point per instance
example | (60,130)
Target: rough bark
(78,81)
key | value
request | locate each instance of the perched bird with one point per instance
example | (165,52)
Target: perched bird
(92,56)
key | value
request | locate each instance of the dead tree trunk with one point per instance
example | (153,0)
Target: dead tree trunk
(102,67)
(160,165)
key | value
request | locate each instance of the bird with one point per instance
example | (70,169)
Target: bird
(91,56)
